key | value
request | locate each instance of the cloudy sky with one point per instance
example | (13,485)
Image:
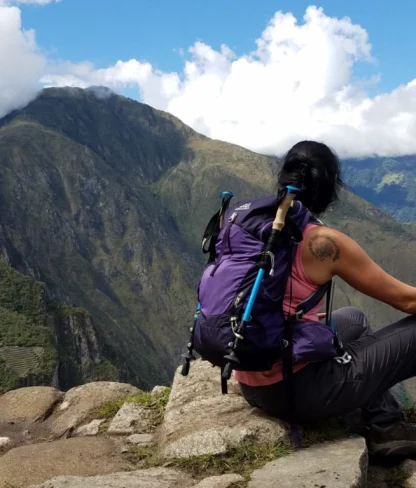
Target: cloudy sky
(260,74)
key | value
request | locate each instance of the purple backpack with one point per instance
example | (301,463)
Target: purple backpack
(237,253)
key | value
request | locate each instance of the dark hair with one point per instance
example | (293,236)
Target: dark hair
(314,169)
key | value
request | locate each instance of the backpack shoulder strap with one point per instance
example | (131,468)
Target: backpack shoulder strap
(313,300)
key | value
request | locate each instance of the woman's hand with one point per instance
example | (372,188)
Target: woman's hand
(321,315)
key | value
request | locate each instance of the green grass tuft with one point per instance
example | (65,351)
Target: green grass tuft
(243,460)
(410,414)
(157,403)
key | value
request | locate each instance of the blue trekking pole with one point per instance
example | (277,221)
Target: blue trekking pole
(266,263)
(209,240)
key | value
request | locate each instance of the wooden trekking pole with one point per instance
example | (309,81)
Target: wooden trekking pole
(279,221)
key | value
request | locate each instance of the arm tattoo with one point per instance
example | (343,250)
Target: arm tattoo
(323,247)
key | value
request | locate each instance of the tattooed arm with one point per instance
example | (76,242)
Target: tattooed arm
(329,253)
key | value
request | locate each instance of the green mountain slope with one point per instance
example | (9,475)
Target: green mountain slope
(388,183)
(76,207)
(27,347)
(104,200)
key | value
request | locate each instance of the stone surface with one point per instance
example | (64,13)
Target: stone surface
(408,469)
(78,456)
(4,441)
(146,478)
(91,428)
(131,418)
(223,481)
(29,404)
(140,439)
(377,477)
(159,390)
(339,464)
(200,420)
(80,403)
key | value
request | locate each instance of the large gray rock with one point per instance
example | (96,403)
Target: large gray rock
(78,456)
(146,478)
(140,439)
(340,464)
(4,441)
(132,418)
(92,428)
(30,404)
(79,403)
(200,420)
(224,481)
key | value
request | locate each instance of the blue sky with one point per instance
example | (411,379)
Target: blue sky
(104,31)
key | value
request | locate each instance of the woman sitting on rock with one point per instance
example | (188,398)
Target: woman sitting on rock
(380,359)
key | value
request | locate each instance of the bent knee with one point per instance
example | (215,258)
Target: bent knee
(352,315)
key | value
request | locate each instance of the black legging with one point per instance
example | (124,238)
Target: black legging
(380,360)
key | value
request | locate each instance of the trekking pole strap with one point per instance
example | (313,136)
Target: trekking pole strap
(288,382)
(225,376)
(213,228)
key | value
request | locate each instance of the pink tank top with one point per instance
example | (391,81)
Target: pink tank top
(302,288)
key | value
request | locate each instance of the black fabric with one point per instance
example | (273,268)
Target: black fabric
(210,236)
(380,360)
(312,301)
(213,229)
(287,356)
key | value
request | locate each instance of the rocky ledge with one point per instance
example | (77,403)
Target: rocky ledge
(113,435)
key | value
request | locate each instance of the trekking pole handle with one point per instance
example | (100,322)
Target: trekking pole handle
(279,221)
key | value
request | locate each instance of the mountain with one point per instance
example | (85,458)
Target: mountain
(78,214)
(103,201)
(388,183)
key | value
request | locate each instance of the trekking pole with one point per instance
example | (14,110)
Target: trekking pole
(213,231)
(267,261)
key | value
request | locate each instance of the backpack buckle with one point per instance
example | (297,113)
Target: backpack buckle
(299,314)
(344,359)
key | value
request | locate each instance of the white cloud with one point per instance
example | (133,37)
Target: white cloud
(296,83)
(28,2)
(21,64)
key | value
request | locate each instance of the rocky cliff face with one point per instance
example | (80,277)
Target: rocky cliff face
(45,344)
(80,355)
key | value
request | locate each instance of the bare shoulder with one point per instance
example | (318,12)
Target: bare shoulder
(324,244)
(322,253)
